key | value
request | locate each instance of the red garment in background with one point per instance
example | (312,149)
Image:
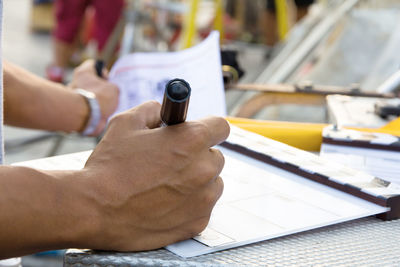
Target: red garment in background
(70,14)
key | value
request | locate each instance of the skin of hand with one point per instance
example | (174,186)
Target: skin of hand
(152,186)
(107,93)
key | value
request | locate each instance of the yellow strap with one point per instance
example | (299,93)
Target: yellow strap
(281,8)
(306,136)
(189,28)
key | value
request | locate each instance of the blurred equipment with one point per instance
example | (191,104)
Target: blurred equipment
(385,110)
(362,111)
(232,71)
(190,23)
(328,47)
(391,85)
(42,16)
(304,93)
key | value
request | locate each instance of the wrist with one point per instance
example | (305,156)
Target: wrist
(81,220)
(92,121)
(54,211)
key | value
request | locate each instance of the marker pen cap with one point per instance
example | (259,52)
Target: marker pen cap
(176,102)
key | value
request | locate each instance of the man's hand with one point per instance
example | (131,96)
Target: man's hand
(154,186)
(142,188)
(107,93)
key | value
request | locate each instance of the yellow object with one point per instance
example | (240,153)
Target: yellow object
(219,18)
(282,18)
(190,28)
(306,136)
(393,126)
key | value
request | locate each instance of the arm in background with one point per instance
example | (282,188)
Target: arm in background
(33,102)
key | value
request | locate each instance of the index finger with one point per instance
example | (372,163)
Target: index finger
(144,116)
(218,129)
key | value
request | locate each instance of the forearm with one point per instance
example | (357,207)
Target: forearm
(42,210)
(33,102)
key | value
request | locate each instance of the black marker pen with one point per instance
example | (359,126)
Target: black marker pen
(176,102)
(99,66)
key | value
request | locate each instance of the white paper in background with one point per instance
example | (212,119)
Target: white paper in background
(142,77)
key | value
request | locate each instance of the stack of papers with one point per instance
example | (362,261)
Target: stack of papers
(375,153)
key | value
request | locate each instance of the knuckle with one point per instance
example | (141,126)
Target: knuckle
(117,119)
(209,171)
(215,193)
(147,108)
(222,121)
(219,157)
(223,124)
(199,225)
(152,104)
(199,133)
(220,186)
(210,198)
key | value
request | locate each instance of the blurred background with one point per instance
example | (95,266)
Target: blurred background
(341,44)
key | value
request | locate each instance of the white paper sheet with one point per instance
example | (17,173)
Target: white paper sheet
(260,201)
(142,77)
